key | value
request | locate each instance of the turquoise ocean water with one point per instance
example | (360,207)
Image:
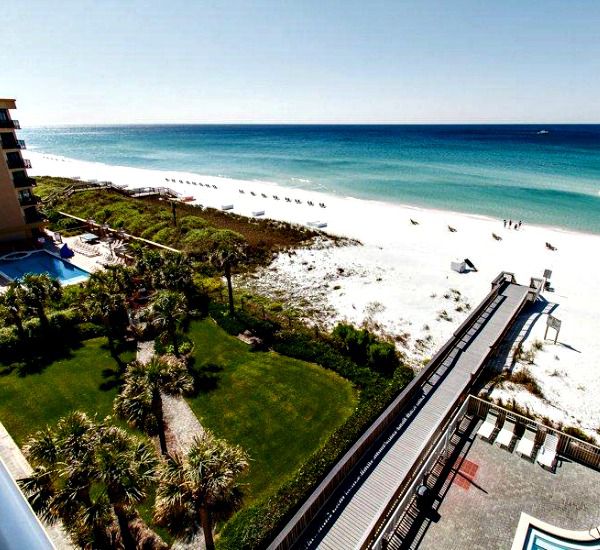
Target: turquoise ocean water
(543,174)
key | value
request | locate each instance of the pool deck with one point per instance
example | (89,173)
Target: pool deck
(481,505)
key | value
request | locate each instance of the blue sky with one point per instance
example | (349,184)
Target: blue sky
(305,61)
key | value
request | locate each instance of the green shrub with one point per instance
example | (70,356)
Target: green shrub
(382,358)
(87,330)
(365,349)
(153,229)
(167,235)
(9,344)
(188,223)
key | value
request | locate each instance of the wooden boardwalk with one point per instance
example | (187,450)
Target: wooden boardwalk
(366,491)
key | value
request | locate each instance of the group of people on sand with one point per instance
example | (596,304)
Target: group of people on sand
(513,225)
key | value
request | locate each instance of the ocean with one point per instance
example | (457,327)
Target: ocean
(542,174)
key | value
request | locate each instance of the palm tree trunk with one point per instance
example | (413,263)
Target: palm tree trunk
(229,287)
(126,537)
(20,330)
(207,528)
(43,317)
(158,413)
(173,331)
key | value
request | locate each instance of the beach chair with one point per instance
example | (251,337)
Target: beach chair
(547,455)
(506,434)
(526,444)
(486,429)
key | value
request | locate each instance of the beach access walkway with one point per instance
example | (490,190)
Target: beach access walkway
(351,516)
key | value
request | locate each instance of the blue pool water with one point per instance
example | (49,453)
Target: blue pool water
(538,540)
(42,262)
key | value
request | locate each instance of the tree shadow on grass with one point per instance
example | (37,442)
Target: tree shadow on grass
(114,376)
(206,378)
(36,363)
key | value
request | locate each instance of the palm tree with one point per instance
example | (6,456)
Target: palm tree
(227,250)
(12,307)
(140,401)
(167,310)
(106,300)
(197,488)
(177,273)
(88,475)
(37,292)
(148,266)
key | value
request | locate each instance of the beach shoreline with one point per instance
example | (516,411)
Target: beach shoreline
(397,281)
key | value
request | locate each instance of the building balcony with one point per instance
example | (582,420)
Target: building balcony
(33,216)
(14,124)
(15,163)
(30,200)
(24,181)
(10,142)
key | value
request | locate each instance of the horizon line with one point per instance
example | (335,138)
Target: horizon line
(468,123)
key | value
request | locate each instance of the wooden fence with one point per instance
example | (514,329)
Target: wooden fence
(568,446)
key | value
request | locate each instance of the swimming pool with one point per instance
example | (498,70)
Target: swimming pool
(538,540)
(15,266)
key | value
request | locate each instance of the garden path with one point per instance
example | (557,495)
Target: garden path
(182,426)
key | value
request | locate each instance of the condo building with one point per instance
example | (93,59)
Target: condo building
(19,216)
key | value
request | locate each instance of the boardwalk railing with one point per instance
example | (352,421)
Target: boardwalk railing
(568,446)
(384,523)
(92,225)
(324,490)
(384,527)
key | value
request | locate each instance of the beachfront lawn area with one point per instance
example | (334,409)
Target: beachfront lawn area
(277,408)
(85,380)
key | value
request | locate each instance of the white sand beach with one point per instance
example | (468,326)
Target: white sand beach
(397,278)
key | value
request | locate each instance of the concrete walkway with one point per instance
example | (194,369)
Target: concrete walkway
(18,467)
(182,426)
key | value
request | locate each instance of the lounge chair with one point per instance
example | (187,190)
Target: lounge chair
(506,434)
(526,444)
(547,455)
(486,430)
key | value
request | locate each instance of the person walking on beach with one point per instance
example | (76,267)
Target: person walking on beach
(520,223)
(509,224)
(504,223)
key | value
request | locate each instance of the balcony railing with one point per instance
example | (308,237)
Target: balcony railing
(12,143)
(28,200)
(33,216)
(10,124)
(16,163)
(23,181)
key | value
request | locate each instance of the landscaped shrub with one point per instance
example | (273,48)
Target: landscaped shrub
(188,223)
(166,235)
(365,349)
(9,345)
(149,232)
(87,330)
(306,347)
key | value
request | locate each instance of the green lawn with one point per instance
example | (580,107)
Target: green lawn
(277,408)
(85,380)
